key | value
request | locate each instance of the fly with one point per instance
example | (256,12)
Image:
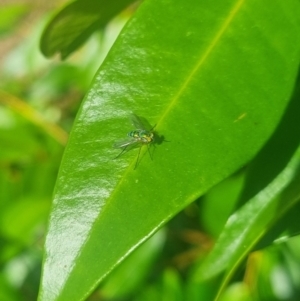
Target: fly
(142,135)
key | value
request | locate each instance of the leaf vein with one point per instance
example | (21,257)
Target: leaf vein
(232,13)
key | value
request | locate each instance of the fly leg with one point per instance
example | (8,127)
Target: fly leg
(150,154)
(123,150)
(137,159)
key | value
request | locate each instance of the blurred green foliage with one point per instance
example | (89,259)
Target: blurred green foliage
(39,100)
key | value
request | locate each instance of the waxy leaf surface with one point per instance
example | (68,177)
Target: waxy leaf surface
(213,79)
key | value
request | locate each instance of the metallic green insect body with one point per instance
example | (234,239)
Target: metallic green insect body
(142,135)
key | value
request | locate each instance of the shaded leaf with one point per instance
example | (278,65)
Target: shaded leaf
(73,25)
(128,276)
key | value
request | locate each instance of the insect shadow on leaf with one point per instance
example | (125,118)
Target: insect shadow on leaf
(143,134)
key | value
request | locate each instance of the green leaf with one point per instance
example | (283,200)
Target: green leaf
(237,292)
(7,293)
(73,25)
(167,288)
(213,212)
(10,15)
(171,286)
(206,76)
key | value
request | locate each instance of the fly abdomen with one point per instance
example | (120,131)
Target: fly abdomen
(134,134)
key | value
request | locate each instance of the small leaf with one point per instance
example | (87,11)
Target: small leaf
(73,25)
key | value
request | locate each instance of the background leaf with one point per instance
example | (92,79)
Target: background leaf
(132,272)
(246,226)
(73,25)
(208,83)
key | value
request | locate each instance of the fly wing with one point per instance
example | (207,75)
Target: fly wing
(127,143)
(140,123)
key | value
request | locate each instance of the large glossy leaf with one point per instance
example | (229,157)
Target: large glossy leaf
(73,25)
(206,75)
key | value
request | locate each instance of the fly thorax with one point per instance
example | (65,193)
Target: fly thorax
(146,136)
(142,135)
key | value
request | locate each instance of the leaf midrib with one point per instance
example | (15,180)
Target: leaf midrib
(203,57)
